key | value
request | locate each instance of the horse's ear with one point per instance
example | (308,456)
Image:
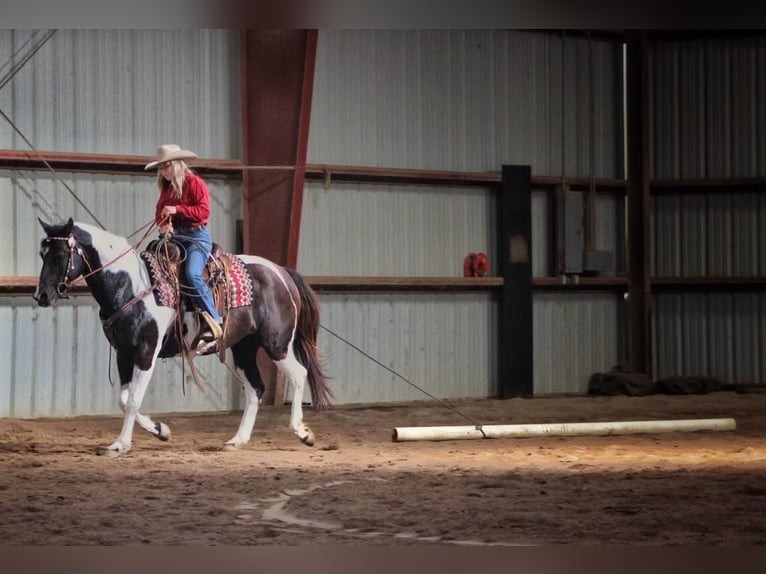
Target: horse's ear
(69,226)
(46,227)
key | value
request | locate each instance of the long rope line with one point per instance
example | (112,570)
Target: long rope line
(393,372)
(7,79)
(50,167)
(15,69)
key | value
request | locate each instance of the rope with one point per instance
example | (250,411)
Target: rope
(438,400)
(50,167)
(166,266)
(9,76)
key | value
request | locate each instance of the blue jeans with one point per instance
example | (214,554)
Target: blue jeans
(198,245)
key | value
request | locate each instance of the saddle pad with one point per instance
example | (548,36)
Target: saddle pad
(241,292)
(164,293)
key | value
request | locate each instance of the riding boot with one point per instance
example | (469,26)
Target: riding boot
(215,327)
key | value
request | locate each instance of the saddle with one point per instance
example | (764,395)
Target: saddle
(163,258)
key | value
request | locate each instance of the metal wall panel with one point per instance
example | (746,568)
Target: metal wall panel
(466,100)
(715,334)
(444,345)
(575,335)
(708,108)
(349,229)
(709,122)
(122,91)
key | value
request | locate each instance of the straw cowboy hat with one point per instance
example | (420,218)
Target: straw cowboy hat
(168,152)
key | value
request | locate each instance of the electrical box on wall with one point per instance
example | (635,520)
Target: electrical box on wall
(595,261)
(569,230)
(573,256)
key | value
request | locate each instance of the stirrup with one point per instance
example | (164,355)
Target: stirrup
(215,328)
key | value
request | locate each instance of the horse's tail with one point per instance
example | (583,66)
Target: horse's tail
(305,342)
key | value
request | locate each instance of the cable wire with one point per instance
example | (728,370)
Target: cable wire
(390,370)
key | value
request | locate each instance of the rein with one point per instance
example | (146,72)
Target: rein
(65,284)
(106,323)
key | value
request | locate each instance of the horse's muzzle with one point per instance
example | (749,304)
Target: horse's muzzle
(42,299)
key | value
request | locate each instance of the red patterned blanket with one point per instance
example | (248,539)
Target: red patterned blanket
(240,282)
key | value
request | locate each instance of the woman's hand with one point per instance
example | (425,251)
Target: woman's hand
(166,228)
(168,210)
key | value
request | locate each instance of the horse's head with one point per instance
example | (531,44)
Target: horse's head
(63,262)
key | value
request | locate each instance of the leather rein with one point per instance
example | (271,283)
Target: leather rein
(74,248)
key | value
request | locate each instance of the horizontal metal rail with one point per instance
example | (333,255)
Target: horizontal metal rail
(25,286)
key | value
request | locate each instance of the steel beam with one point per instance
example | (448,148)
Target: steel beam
(277,82)
(514,265)
(639,248)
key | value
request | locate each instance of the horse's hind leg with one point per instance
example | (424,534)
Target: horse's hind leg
(296,375)
(244,354)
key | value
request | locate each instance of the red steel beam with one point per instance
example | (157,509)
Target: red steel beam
(277,82)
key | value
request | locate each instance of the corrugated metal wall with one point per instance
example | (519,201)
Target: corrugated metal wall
(709,118)
(465,100)
(112,92)
(444,345)
(454,100)
(122,91)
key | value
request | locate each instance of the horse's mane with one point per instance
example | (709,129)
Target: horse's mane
(107,243)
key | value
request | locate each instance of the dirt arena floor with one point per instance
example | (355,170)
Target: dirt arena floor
(357,486)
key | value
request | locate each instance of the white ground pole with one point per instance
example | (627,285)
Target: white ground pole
(402,434)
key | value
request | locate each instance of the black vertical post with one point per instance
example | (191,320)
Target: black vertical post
(514,237)
(639,206)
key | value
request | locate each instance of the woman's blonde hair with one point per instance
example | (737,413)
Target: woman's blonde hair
(177,179)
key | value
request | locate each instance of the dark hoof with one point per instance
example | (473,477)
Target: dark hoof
(308,440)
(163,431)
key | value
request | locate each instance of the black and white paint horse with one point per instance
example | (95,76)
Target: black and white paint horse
(283,320)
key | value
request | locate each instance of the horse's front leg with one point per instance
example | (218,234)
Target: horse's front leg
(131,396)
(157,429)
(135,381)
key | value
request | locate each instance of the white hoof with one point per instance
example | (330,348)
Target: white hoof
(234,443)
(163,431)
(116,449)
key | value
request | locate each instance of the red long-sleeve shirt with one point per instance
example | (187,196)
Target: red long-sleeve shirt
(193,208)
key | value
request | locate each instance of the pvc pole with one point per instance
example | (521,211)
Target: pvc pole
(402,434)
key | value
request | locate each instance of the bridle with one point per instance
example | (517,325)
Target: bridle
(74,248)
(63,286)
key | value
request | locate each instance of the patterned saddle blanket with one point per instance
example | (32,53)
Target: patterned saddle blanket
(226,274)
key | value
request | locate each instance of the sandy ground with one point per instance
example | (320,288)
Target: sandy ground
(358,487)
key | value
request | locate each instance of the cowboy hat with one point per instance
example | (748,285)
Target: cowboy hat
(168,152)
